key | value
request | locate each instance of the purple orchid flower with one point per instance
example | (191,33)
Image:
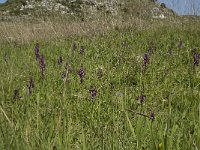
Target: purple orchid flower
(152,116)
(93,92)
(81,74)
(141,98)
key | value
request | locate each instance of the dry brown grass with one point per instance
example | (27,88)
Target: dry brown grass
(58,28)
(24,32)
(135,17)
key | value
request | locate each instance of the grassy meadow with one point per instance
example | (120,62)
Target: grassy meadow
(128,88)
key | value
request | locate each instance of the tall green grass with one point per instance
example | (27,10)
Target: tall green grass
(63,115)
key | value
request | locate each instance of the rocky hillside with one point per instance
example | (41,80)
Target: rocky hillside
(28,7)
(144,8)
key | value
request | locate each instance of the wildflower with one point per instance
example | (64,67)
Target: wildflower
(152,116)
(42,65)
(93,92)
(37,55)
(146,59)
(196,57)
(60,60)
(141,98)
(81,74)
(30,85)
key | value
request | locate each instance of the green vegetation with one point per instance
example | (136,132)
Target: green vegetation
(60,113)
(100,82)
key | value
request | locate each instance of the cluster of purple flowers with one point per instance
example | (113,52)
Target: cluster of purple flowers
(196,57)
(146,58)
(152,116)
(141,98)
(81,73)
(93,92)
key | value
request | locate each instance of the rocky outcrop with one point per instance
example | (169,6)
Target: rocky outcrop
(32,8)
(69,6)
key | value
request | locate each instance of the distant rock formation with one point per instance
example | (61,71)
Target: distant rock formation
(69,6)
(37,8)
